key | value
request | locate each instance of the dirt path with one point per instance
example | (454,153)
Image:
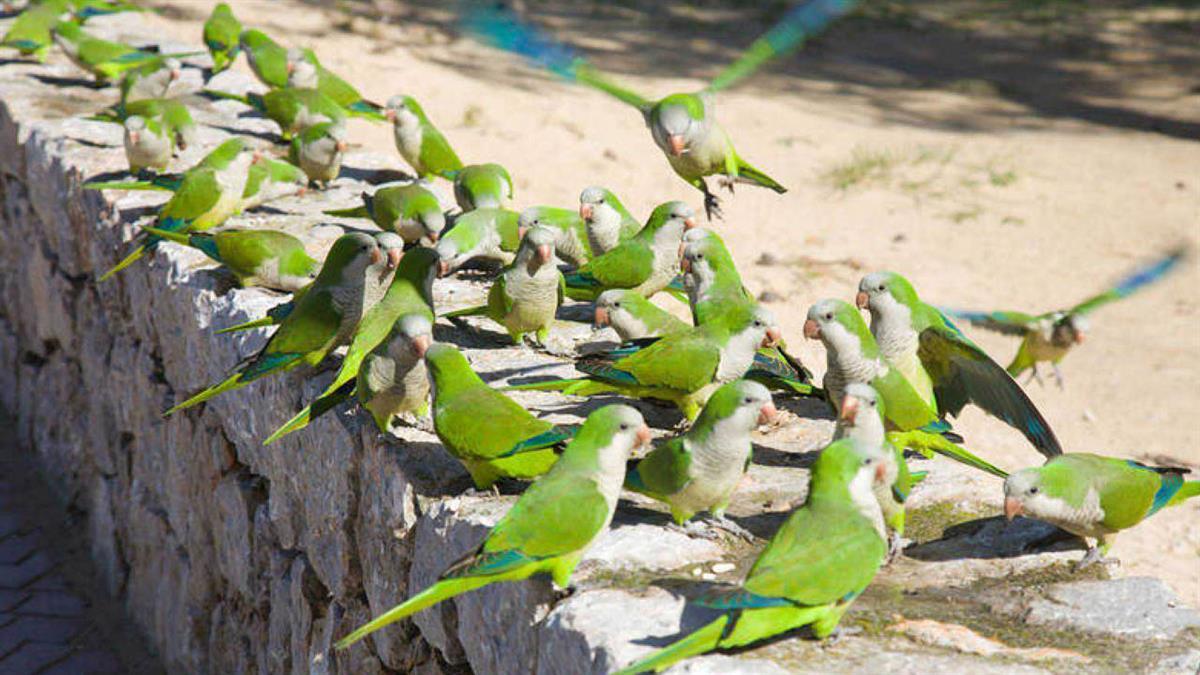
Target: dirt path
(1012,161)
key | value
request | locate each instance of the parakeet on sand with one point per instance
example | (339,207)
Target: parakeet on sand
(635,317)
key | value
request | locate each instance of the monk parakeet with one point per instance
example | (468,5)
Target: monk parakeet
(393,379)
(172,115)
(148,145)
(324,318)
(266,258)
(209,193)
(418,141)
(150,81)
(482,186)
(411,211)
(294,110)
(30,32)
(607,221)
(103,59)
(551,526)
(699,470)
(634,317)
(267,58)
(684,369)
(318,151)
(1095,497)
(946,369)
(646,263)
(221,35)
(526,295)
(305,71)
(493,234)
(684,126)
(270,179)
(571,240)
(823,557)
(1048,337)
(853,356)
(410,292)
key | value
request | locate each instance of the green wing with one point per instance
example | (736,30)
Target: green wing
(1134,281)
(626,266)
(95,51)
(196,196)
(311,327)
(665,471)
(556,516)
(686,362)
(1007,323)
(588,75)
(1127,489)
(436,153)
(500,303)
(482,423)
(245,251)
(903,406)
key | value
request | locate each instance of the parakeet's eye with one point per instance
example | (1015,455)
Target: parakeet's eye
(882,288)
(699,256)
(829,316)
(616,304)
(600,201)
(868,462)
(1033,490)
(624,426)
(758,323)
(748,400)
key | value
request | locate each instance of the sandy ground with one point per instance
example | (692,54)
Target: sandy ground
(1019,163)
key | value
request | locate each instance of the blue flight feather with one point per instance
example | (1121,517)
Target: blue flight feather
(269,363)
(504,30)
(207,244)
(738,598)
(1148,274)
(1172,482)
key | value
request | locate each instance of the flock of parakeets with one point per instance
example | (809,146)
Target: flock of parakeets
(893,383)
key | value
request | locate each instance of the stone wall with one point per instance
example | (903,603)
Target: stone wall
(234,557)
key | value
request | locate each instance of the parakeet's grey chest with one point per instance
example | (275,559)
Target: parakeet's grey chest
(706,153)
(409,135)
(534,297)
(604,229)
(717,466)
(666,259)
(1041,342)
(844,367)
(628,326)
(1085,519)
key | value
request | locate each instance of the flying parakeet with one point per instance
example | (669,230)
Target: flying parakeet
(306,72)
(699,470)
(411,211)
(222,31)
(103,59)
(571,240)
(684,125)
(482,186)
(551,526)
(493,234)
(148,145)
(606,219)
(1095,497)
(821,559)
(946,369)
(419,142)
(323,319)
(646,263)
(1048,337)
(634,317)
(318,151)
(267,58)
(266,258)
(526,295)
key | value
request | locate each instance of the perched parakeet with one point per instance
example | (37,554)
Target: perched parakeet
(823,557)
(411,211)
(318,151)
(270,179)
(606,219)
(393,379)
(267,58)
(266,258)
(30,32)
(699,470)
(684,126)
(646,263)
(172,115)
(551,526)
(323,319)
(410,292)
(103,59)
(526,295)
(943,365)
(222,32)
(147,144)
(1048,337)
(294,110)
(482,186)
(634,317)
(1095,497)
(852,356)
(150,81)
(571,242)
(684,369)
(493,234)
(419,142)
(306,72)
(209,193)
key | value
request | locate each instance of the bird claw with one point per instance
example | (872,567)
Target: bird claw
(726,182)
(712,207)
(1092,557)
(1058,378)
(561,594)
(896,546)
(841,632)
(694,530)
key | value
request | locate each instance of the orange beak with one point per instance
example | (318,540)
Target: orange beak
(443,268)
(433,237)
(390,114)
(811,330)
(772,337)
(341,146)
(586,211)
(544,253)
(643,436)
(421,344)
(302,191)
(861,300)
(174,74)
(394,255)
(685,266)
(134,136)
(521,230)
(376,256)
(676,143)
(1012,508)
(767,414)
(689,224)
(1079,337)
(880,472)
(849,410)
(601,318)
(291,67)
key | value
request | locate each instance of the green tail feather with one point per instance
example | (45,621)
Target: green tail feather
(480,310)
(313,410)
(1190,489)
(784,384)
(546,439)
(232,382)
(576,387)
(177,237)
(126,262)
(927,444)
(356,212)
(759,178)
(701,641)
(447,588)
(247,325)
(126,185)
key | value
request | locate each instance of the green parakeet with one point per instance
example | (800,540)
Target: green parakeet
(419,142)
(30,32)
(266,258)
(571,241)
(222,33)
(393,379)
(411,211)
(551,526)
(947,369)
(1046,338)
(699,470)
(646,263)
(270,179)
(493,234)
(305,71)
(171,114)
(150,81)
(526,295)
(634,317)
(823,557)
(148,145)
(1095,497)
(209,193)
(267,58)
(318,151)
(482,186)
(323,319)
(103,59)
(606,219)
(294,110)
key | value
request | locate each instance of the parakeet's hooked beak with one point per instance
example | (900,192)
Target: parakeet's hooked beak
(849,410)
(586,211)
(767,413)
(601,319)
(521,230)
(341,146)
(302,191)
(133,137)
(880,472)
(812,331)
(174,75)
(390,115)
(643,436)
(1012,507)
(433,237)
(544,253)
(861,300)
(677,144)
(772,337)
(291,68)
(685,265)
(421,345)
(443,268)
(394,255)
(690,224)
(1080,336)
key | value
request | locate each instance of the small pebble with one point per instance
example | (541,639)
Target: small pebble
(697,572)
(721,568)
(900,238)
(708,576)
(769,296)
(1088,415)
(766,260)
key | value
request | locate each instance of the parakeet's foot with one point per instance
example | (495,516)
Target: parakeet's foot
(727,183)
(724,523)
(1058,377)
(1035,375)
(561,594)
(1094,556)
(841,632)
(712,206)
(695,530)
(896,546)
